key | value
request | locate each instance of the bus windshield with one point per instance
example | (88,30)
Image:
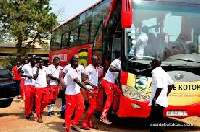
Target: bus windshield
(169,30)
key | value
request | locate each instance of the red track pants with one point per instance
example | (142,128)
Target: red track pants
(111,91)
(29,94)
(73,102)
(22,88)
(41,100)
(54,92)
(92,106)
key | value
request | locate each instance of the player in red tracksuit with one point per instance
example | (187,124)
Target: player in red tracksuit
(41,90)
(92,73)
(111,89)
(23,81)
(74,97)
(29,87)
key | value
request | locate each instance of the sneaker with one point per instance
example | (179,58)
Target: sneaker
(63,124)
(39,120)
(49,114)
(22,101)
(85,126)
(52,113)
(92,126)
(106,121)
(29,116)
(75,128)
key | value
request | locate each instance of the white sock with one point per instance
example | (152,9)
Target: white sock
(52,107)
(48,108)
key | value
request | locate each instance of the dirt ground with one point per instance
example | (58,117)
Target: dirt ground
(12,119)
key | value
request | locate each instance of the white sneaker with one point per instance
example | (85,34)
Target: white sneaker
(22,101)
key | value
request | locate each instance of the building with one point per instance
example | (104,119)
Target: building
(9,49)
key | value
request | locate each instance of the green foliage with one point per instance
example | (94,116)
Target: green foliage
(25,19)
(9,62)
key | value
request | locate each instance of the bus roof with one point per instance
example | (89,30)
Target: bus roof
(97,3)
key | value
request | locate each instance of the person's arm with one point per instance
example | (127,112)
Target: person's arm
(82,85)
(158,91)
(36,73)
(28,76)
(170,87)
(53,78)
(49,72)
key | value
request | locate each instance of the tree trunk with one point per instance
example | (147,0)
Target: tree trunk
(19,49)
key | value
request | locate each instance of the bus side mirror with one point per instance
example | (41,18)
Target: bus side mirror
(126,14)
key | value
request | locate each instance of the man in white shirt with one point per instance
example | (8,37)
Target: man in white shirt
(27,72)
(161,86)
(141,41)
(41,90)
(74,98)
(92,82)
(108,83)
(54,73)
(80,70)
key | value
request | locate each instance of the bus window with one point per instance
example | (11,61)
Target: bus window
(99,13)
(65,39)
(56,40)
(88,16)
(84,34)
(97,46)
(82,18)
(73,37)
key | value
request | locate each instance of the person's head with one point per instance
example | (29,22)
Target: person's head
(56,61)
(18,64)
(25,61)
(156,63)
(33,60)
(95,60)
(40,62)
(145,29)
(74,60)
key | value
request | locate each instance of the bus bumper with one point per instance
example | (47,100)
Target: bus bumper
(135,108)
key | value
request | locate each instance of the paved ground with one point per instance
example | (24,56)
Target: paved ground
(12,119)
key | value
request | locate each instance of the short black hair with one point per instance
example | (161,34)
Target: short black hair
(56,58)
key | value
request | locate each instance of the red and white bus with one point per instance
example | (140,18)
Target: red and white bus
(111,26)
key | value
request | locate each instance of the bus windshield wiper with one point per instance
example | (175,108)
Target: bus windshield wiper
(187,60)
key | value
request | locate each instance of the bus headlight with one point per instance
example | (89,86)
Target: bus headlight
(133,93)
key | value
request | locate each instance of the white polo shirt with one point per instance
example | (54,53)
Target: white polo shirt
(55,72)
(92,73)
(66,68)
(160,79)
(72,88)
(41,80)
(28,70)
(111,76)
(80,69)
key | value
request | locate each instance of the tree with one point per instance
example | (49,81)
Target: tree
(25,19)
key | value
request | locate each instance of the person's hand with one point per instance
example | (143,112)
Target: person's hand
(91,93)
(86,81)
(29,77)
(154,102)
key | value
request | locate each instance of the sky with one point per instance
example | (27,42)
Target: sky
(66,9)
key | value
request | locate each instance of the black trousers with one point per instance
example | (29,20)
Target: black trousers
(18,86)
(157,119)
